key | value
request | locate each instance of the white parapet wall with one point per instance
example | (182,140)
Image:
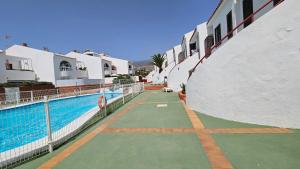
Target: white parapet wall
(254,77)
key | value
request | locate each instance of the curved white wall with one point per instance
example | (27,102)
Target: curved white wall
(180,73)
(254,77)
(166,72)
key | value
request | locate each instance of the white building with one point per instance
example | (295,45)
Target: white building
(193,48)
(177,50)
(118,66)
(15,69)
(254,76)
(185,46)
(51,67)
(231,13)
(169,63)
(92,66)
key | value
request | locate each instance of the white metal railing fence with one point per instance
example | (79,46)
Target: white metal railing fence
(34,128)
(21,97)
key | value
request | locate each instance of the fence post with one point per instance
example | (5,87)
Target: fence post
(143,86)
(57,92)
(17,98)
(31,95)
(105,111)
(48,120)
(123,94)
(131,90)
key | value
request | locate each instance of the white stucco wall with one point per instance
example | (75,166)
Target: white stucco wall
(179,73)
(185,44)
(42,61)
(122,65)
(202,34)
(254,77)
(93,64)
(149,77)
(169,56)
(176,50)
(156,76)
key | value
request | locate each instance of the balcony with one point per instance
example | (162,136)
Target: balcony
(81,74)
(107,72)
(114,72)
(19,70)
(65,74)
(20,75)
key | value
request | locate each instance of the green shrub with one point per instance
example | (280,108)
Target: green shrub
(123,79)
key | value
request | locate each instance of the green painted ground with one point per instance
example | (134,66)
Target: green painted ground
(213,122)
(176,151)
(149,116)
(261,151)
(139,151)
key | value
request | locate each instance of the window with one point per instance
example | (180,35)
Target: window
(193,48)
(208,42)
(106,66)
(181,57)
(174,56)
(218,35)
(276,2)
(65,66)
(248,11)
(166,64)
(130,67)
(229,24)
(113,67)
(8,65)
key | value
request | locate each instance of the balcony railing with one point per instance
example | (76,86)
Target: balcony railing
(81,73)
(65,74)
(107,72)
(114,72)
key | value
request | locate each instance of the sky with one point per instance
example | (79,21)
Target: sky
(128,29)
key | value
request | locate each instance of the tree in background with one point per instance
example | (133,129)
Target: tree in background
(142,72)
(158,61)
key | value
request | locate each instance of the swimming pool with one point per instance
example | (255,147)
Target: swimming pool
(25,124)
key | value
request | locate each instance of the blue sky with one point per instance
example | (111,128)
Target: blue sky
(129,29)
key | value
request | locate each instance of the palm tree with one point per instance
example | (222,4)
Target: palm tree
(158,61)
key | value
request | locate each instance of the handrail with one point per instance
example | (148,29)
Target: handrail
(232,31)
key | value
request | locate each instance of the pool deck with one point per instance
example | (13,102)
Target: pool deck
(143,135)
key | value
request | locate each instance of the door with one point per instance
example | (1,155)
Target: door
(248,11)
(229,24)
(218,35)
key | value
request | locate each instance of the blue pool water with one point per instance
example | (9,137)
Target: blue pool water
(25,124)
